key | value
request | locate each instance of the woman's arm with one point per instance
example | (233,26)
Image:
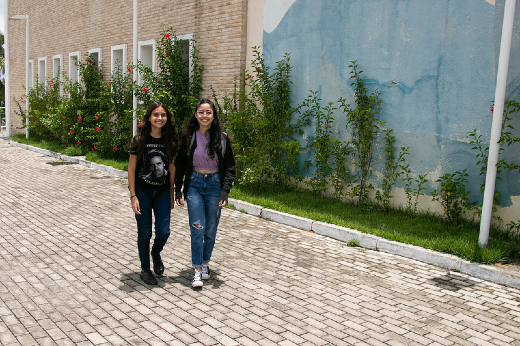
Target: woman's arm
(172,183)
(229,173)
(132,163)
(180,168)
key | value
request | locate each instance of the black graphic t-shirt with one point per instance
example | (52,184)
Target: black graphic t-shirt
(152,171)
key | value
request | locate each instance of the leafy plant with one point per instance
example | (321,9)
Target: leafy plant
(364,124)
(327,159)
(178,81)
(390,172)
(258,114)
(453,195)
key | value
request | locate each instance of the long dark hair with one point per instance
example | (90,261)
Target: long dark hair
(168,132)
(192,125)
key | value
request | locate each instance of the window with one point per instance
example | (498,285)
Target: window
(118,58)
(187,45)
(95,54)
(57,62)
(146,54)
(42,70)
(31,73)
(74,60)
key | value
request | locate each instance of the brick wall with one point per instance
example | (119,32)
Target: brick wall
(65,26)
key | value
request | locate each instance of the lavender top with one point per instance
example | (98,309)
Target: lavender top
(201,158)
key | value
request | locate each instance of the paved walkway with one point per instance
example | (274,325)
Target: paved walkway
(69,276)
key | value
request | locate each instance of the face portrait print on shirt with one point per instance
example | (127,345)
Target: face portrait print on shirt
(155,168)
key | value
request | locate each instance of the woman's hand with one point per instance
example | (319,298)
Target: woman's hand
(179,202)
(222,203)
(135,205)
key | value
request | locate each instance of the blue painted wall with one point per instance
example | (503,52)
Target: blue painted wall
(434,63)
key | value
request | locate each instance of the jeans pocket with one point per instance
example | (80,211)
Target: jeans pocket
(216,179)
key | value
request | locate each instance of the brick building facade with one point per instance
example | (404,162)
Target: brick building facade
(61,29)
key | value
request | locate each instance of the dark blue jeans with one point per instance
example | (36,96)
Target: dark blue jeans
(203,197)
(158,202)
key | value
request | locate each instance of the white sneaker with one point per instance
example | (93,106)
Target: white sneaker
(197,281)
(205,272)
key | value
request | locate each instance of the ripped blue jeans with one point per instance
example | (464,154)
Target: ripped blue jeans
(202,198)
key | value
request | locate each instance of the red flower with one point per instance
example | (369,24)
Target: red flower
(95,68)
(115,148)
(88,60)
(95,117)
(52,81)
(78,142)
(258,70)
(129,69)
(140,123)
(167,36)
(491,109)
(109,83)
(75,64)
(97,128)
(145,90)
(79,118)
(21,98)
(95,148)
(71,132)
(167,54)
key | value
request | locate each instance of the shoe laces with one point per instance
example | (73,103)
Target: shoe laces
(197,275)
(205,268)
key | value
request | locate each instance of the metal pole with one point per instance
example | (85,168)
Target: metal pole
(7,78)
(496,126)
(134,99)
(27,76)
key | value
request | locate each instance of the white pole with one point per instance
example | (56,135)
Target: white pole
(7,79)
(496,126)
(27,76)
(134,99)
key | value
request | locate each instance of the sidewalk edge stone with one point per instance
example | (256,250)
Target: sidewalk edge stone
(72,159)
(248,208)
(287,219)
(345,234)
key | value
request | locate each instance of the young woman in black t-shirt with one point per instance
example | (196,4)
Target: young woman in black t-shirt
(151,172)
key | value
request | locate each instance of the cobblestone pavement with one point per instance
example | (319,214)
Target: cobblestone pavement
(69,275)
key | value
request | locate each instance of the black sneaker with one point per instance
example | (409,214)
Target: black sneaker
(148,278)
(205,272)
(158,266)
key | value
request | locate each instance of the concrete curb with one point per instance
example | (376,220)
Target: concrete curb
(80,160)
(494,274)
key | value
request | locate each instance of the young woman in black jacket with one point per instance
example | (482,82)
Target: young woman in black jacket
(205,170)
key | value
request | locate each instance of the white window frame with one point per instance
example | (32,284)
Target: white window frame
(74,57)
(42,70)
(31,74)
(191,39)
(96,51)
(57,68)
(141,46)
(113,58)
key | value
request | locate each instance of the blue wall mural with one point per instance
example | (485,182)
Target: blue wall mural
(434,63)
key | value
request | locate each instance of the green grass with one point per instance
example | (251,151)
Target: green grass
(425,230)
